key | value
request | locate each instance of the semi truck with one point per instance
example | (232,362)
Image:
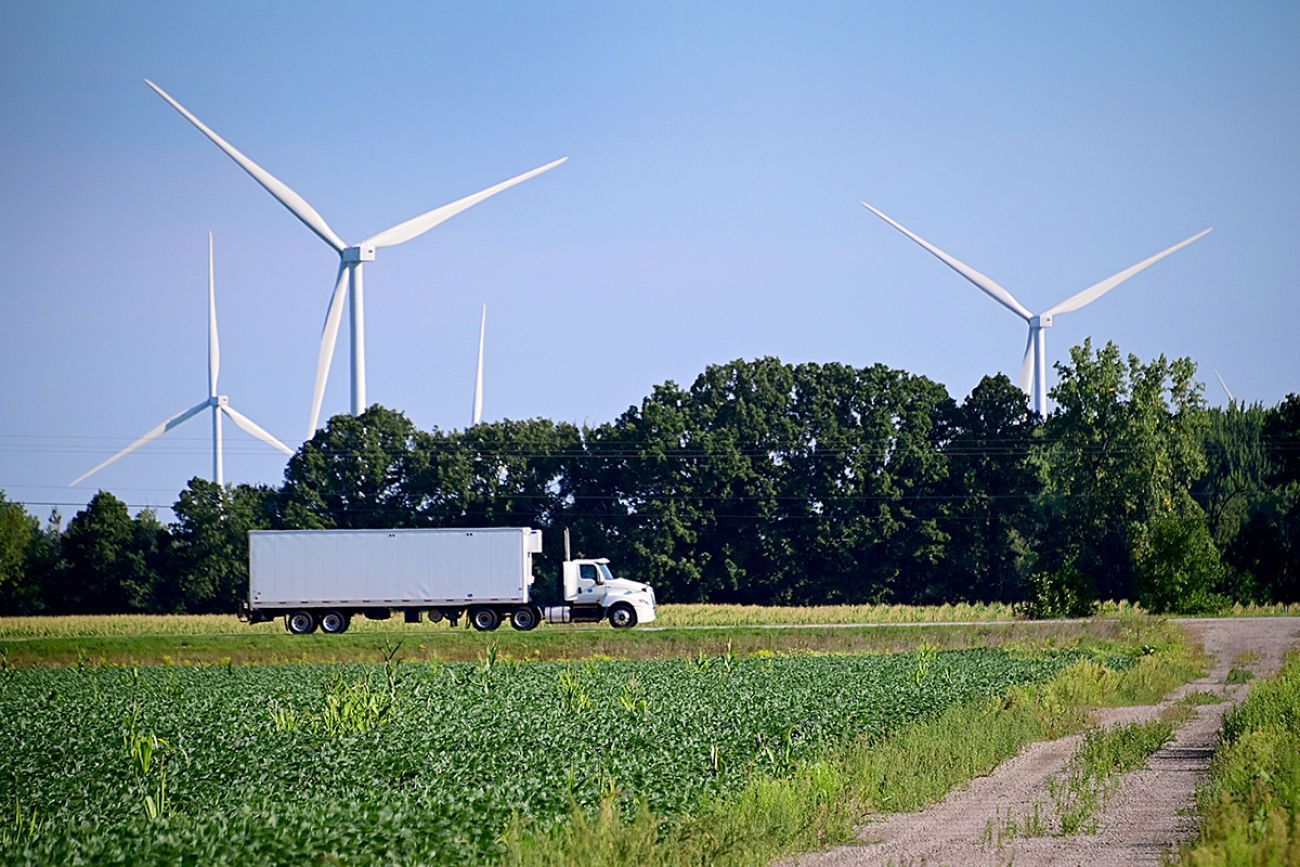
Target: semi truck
(321,579)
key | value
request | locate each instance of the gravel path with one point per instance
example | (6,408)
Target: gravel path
(1147,815)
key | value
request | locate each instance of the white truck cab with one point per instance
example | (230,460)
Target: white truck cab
(591,584)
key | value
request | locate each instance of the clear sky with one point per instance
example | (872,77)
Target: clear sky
(709,209)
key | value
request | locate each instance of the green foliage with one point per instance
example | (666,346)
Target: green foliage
(426,765)
(18,530)
(211,542)
(1122,449)
(1093,773)
(991,487)
(1250,808)
(770,483)
(1177,563)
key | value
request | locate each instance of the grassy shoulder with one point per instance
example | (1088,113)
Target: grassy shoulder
(1250,808)
(821,802)
(670,616)
(427,642)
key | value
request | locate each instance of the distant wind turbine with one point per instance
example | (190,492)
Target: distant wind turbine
(219,403)
(1033,367)
(351,258)
(1226,390)
(478,376)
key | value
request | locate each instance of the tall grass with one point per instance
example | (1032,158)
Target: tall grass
(1250,808)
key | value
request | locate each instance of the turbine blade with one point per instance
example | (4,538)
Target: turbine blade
(296,204)
(478,377)
(251,427)
(329,334)
(417,226)
(153,434)
(985,283)
(1226,390)
(214,345)
(1027,366)
(1095,291)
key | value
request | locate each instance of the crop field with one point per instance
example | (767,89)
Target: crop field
(430,763)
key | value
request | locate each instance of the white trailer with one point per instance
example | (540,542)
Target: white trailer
(326,577)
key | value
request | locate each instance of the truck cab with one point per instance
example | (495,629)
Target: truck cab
(594,593)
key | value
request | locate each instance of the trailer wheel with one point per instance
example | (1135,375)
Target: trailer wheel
(435,615)
(524,618)
(622,616)
(334,622)
(300,622)
(484,619)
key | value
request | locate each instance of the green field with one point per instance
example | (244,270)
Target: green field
(201,740)
(429,763)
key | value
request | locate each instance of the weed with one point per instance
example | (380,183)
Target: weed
(23,826)
(1238,676)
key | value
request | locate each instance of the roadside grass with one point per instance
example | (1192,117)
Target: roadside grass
(1094,772)
(440,643)
(1238,676)
(1250,807)
(821,802)
(670,616)
(682,615)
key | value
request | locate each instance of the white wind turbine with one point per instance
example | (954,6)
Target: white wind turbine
(478,375)
(351,258)
(1033,367)
(219,403)
(1226,390)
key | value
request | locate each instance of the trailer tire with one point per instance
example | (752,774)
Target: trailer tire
(484,619)
(300,622)
(435,615)
(525,617)
(622,616)
(334,622)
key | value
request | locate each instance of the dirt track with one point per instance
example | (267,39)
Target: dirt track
(1145,817)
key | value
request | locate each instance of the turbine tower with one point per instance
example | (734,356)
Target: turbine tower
(219,403)
(1033,367)
(478,376)
(351,257)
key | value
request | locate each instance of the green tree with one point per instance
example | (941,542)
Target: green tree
(1266,552)
(210,564)
(1123,447)
(111,563)
(989,494)
(351,474)
(18,531)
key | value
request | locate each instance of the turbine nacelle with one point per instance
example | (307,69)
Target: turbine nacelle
(359,253)
(218,401)
(1042,320)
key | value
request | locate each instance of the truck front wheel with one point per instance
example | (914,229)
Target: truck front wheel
(300,622)
(334,622)
(484,619)
(524,618)
(622,616)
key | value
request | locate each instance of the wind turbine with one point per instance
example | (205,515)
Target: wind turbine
(351,257)
(1226,390)
(219,403)
(478,376)
(1033,367)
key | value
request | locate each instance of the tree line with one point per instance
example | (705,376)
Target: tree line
(768,483)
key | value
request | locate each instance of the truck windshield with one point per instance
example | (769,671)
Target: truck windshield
(604,572)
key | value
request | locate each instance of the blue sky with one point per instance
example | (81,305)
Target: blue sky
(709,209)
